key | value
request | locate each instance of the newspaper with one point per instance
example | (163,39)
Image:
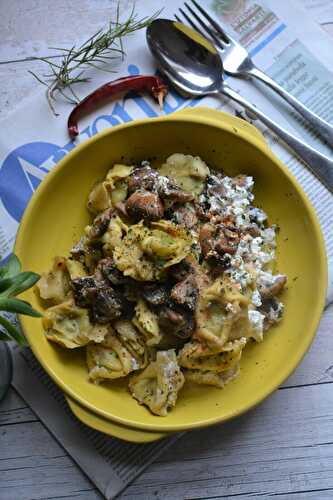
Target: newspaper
(321,11)
(298,55)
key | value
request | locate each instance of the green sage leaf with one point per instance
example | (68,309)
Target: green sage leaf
(11,268)
(4,337)
(12,332)
(18,306)
(10,287)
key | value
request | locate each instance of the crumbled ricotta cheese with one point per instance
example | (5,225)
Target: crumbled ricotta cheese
(135,364)
(257,215)
(268,236)
(256,319)
(256,298)
(162,183)
(232,200)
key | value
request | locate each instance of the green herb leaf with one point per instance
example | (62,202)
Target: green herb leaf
(4,336)
(11,268)
(18,306)
(10,287)
(12,332)
(5,283)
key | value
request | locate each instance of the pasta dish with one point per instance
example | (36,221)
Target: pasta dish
(172,279)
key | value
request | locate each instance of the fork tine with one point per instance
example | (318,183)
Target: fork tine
(204,26)
(191,23)
(227,38)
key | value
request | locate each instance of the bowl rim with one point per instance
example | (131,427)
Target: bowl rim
(226,122)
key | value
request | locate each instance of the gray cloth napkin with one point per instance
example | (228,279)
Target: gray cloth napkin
(110,463)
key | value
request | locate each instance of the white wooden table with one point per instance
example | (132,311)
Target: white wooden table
(283,448)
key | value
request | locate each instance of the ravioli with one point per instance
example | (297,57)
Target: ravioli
(113,236)
(145,251)
(197,356)
(158,385)
(99,198)
(133,340)
(69,325)
(75,269)
(54,285)
(189,172)
(112,359)
(217,301)
(107,193)
(147,323)
(220,379)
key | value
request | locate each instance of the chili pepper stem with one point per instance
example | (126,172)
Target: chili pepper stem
(160,98)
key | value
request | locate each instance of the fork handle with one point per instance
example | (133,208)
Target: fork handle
(318,163)
(321,126)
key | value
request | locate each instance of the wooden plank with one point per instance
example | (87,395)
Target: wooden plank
(14,410)
(34,466)
(282,448)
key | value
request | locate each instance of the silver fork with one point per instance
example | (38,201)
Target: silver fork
(237,62)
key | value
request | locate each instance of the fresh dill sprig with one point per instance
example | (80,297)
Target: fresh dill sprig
(67,68)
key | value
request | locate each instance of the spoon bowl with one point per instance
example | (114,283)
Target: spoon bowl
(188,59)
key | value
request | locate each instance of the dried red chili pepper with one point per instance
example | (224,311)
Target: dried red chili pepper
(152,84)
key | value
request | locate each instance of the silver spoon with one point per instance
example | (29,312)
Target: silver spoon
(194,67)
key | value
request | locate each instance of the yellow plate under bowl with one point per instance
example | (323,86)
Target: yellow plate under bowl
(111,428)
(55,219)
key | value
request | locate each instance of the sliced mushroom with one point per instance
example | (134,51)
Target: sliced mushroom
(252,229)
(178,323)
(227,240)
(173,193)
(77,251)
(80,287)
(185,293)
(107,270)
(146,178)
(218,240)
(272,309)
(142,178)
(100,224)
(180,271)
(144,205)
(121,209)
(206,239)
(215,186)
(185,215)
(106,304)
(268,291)
(156,295)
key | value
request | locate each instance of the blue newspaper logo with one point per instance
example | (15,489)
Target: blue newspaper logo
(21,173)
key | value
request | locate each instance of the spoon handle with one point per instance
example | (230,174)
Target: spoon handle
(318,163)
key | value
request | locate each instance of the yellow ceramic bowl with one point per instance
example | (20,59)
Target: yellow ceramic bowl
(57,215)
